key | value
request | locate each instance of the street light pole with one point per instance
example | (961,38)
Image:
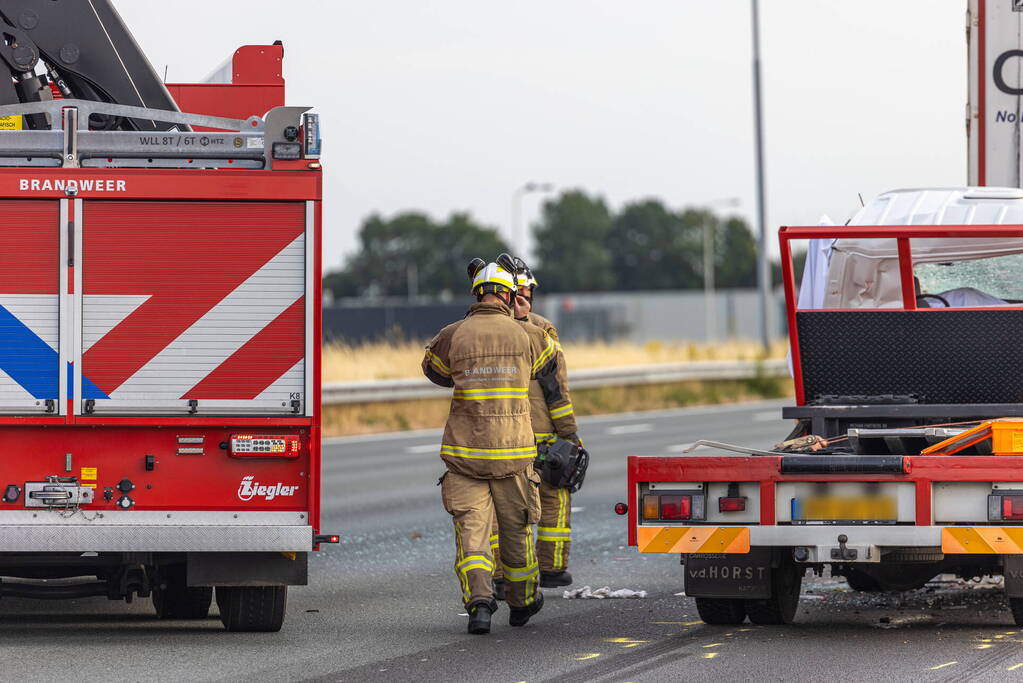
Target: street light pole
(709,305)
(518,228)
(763,264)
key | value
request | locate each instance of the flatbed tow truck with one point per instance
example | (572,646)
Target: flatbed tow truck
(904,461)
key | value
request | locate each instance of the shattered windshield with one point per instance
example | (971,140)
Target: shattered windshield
(1001,276)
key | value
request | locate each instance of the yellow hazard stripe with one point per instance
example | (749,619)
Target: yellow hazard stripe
(982,540)
(693,539)
(562,411)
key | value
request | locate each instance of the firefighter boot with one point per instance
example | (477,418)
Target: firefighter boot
(555,579)
(520,615)
(479,617)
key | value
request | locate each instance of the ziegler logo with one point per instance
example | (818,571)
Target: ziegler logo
(249,489)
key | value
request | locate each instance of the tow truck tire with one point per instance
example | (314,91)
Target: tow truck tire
(861,582)
(781,607)
(176,600)
(721,611)
(257,608)
(1016,605)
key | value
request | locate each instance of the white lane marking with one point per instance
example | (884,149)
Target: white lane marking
(712,409)
(629,429)
(767,416)
(423,448)
(679,447)
(575,509)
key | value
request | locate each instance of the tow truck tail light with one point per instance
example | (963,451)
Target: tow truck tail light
(676,507)
(1012,507)
(651,507)
(1005,507)
(732,504)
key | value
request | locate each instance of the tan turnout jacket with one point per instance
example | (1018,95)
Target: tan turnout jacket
(489,359)
(558,418)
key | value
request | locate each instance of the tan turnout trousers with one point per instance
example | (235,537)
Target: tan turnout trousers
(473,505)
(553,534)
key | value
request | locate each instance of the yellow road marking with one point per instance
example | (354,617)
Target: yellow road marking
(743,630)
(710,655)
(691,623)
(1014,667)
(592,655)
(999,636)
(942,666)
(628,641)
(983,647)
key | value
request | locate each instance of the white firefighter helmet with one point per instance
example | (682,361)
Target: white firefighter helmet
(490,278)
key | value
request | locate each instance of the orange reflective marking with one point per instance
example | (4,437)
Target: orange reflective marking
(982,540)
(693,539)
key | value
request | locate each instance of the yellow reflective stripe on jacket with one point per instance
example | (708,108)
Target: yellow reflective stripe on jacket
(553,534)
(520,573)
(562,411)
(488,453)
(545,437)
(485,394)
(436,362)
(545,356)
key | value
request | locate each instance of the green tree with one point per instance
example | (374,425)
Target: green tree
(735,257)
(570,244)
(654,248)
(412,247)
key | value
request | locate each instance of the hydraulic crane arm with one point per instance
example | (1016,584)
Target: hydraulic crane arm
(87,51)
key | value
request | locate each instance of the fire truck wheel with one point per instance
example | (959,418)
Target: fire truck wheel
(781,607)
(258,608)
(723,611)
(1016,605)
(176,600)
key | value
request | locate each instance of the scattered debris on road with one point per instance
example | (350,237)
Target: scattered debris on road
(587,593)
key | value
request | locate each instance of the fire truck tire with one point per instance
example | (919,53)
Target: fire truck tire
(781,607)
(175,600)
(258,608)
(722,611)
(1016,605)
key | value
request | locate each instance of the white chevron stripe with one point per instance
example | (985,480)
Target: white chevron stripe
(213,338)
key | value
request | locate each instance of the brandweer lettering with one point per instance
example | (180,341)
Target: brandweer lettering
(493,370)
(83,185)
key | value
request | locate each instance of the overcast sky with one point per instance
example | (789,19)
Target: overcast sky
(450,105)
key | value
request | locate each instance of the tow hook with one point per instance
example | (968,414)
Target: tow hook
(841,552)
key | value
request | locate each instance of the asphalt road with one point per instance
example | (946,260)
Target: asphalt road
(384,604)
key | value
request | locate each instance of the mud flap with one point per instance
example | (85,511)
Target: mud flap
(1012,570)
(728,576)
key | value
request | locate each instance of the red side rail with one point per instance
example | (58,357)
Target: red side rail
(903,235)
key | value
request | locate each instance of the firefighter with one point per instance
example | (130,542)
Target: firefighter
(488,446)
(554,533)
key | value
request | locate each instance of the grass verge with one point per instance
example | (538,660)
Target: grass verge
(366,418)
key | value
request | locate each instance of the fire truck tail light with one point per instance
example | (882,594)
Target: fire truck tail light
(732,504)
(265,446)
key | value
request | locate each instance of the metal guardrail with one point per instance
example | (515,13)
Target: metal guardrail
(372,391)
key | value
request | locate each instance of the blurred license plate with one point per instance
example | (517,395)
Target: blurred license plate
(831,508)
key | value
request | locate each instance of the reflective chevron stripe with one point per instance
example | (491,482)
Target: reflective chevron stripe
(982,540)
(693,539)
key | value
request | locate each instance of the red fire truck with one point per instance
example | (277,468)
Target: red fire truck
(905,458)
(159,324)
